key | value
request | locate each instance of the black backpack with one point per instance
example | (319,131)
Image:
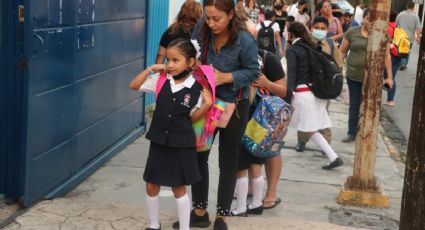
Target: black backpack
(265,38)
(326,77)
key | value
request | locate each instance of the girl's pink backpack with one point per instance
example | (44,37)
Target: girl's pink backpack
(204,128)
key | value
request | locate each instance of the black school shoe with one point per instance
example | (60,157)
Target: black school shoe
(349,138)
(336,163)
(219,224)
(196,221)
(300,147)
(255,211)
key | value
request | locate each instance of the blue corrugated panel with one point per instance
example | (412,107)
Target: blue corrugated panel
(82,55)
(157,24)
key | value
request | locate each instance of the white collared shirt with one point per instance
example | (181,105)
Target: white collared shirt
(150,86)
(295,40)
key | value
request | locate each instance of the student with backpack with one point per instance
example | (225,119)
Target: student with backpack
(268,35)
(232,52)
(271,79)
(310,114)
(328,46)
(172,159)
(355,41)
(409,21)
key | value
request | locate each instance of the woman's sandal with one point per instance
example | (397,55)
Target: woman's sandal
(266,204)
(389,103)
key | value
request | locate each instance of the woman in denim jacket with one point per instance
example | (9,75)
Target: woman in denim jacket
(233,53)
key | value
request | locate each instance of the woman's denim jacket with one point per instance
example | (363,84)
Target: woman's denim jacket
(240,59)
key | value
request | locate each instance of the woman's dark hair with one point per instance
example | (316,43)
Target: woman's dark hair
(299,31)
(187,18)
(185,46)
(321,19)
(366,12)
(235,25)
(247,3)
(393,15)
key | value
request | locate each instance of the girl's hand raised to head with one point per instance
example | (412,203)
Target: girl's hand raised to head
(158,68)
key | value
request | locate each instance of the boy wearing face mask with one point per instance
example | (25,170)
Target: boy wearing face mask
(327,45)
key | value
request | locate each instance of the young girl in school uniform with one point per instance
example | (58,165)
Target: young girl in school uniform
(172,158)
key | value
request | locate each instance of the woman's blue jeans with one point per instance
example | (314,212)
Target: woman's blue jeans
(396,62)
(355,92)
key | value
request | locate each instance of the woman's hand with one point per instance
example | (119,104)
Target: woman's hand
(389,82)
(222,78)
(261,82)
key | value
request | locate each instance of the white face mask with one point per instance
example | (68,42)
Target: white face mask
(319,34)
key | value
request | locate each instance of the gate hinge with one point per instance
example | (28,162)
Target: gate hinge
(21,13)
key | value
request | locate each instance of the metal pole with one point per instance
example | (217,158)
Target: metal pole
(413,200)
(363,187)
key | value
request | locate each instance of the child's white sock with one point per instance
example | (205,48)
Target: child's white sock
(324,146)
(153,208)
(242,188)
(183,207)
(257,192)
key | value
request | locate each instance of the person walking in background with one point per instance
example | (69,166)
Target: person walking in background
(334,28)
(266,40)
(232,51)
(280,16)
(327,45)
(348,22)
(310,113)
(358,13)
(186,20)
(355,41)
(271,79)
(301,14)
(172,152)
(252,9)
(409,21)
(293,8)
(395,61)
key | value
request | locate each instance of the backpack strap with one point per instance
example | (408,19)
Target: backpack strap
(262,25)
(331,45)
(160,83)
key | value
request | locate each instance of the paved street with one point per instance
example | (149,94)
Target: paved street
(114,197)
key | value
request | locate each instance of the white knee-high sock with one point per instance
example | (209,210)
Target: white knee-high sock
(242,188)
(257,192)
(153,208)
(183,207)
(324,146)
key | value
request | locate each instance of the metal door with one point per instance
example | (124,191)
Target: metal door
(81,57)
(2,103)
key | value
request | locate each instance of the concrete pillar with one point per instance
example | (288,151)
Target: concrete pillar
(413,200)
(363,187)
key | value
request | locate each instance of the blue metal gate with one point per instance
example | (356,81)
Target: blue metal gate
(2,102)
(10,48)
(78,110)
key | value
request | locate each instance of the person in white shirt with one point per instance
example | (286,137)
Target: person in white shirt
(301,15)
(293,8)
(358,14)
(269,16)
